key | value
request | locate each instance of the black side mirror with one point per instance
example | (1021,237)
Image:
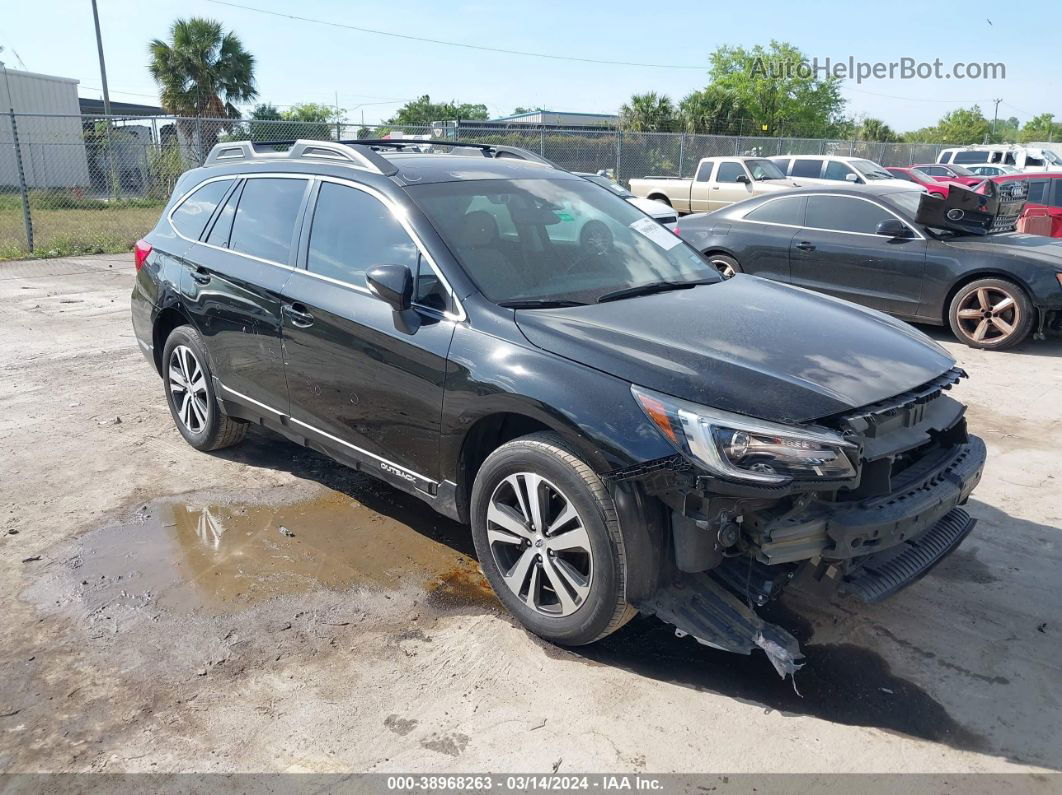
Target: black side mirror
(893,227)
(742,179)
(392,284)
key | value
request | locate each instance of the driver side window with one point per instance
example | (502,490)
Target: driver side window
(837,170)
(730,171)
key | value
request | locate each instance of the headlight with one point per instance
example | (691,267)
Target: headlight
(743,448)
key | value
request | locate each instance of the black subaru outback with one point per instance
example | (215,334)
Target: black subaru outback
(528,353)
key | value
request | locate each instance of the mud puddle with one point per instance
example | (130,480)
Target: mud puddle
(219,553)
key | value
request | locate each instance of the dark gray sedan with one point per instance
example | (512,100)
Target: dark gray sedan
(863,244)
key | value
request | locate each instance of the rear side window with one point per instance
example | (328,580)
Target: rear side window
(843,214)
(935,171)
(219,233)
(897,174)
(265,218)
(1037,190)
(193,213)
(971,157)
(807,168)
(352,232)
(729,172)
(704,171)
(789,211)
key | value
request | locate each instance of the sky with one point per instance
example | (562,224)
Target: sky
(299,61)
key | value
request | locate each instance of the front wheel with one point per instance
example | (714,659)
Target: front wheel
(727,266)
(991,314)
(548,540)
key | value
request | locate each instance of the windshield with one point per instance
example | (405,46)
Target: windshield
(615,187)
(1051,157)
(906,200)
(961,171)
(554,240)
(870,169)
(764,169)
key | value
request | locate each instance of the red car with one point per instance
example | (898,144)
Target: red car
(952,173)
(919,177)
(1043,208)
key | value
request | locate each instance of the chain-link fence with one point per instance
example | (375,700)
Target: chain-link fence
(93,184)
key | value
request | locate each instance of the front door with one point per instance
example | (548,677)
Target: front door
(838,252)
(731,184)
(365,382)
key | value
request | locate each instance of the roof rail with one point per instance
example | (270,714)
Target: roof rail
(487,150)
(348,151)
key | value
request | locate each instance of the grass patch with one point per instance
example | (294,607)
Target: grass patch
(107,229)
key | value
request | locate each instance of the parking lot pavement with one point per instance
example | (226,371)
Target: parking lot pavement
(158,618)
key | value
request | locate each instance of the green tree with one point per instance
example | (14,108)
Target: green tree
(422,111)
(714,110)
(869,129)
(202,71)
(649,112)
(265,111)
(1041,128)
(964,126)
(777,88)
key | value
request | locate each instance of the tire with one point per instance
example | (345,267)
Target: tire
(195,412)
(727,266)
(991,314)
(595,238)
(583,556)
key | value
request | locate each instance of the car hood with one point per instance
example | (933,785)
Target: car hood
(1028,248)
(746,345)
(652,208)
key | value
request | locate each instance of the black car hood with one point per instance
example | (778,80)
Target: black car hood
(745,345)
(1030,248)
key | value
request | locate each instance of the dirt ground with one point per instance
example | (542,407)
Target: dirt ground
(264,609)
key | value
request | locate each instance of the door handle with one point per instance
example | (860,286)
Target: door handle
(804,245)
(200,275)
(715,187)
(298,315)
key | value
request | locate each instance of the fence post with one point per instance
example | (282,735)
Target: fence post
(23,194)
(619,152)
(682,153)
(542,140)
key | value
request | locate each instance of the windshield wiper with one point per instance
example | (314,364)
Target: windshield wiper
(538,303)
(652,287)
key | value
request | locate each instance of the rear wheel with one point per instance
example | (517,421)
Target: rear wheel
(727,266)
(548,539)
(991,314)
(190,393)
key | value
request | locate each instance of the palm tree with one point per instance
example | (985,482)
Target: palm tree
(202,71)
(649,112)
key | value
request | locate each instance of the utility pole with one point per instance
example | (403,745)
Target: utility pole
(995,117)
(103,64)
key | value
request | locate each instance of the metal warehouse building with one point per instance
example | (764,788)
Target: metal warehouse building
(49,131)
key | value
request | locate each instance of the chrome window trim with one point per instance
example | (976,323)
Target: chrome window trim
(315,429)
(457,317)
(919,235)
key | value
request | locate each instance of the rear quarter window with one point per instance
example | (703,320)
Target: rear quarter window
(192,214)
(788,211)
(807,168)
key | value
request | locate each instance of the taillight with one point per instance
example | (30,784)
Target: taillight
(140,253)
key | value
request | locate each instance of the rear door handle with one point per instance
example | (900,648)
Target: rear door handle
(298,315)
(804,245)
(200,275)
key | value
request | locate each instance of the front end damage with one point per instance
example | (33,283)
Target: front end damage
(733,546)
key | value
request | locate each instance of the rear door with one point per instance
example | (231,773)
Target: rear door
(807,170)
(366,382)
(838,252)
(701,187)
(765,235)
(233,286)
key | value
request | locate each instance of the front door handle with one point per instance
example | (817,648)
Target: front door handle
(804,245)
(298,315)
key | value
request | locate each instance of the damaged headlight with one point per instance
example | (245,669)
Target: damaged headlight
(743,448)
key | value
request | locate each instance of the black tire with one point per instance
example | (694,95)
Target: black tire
(662,200)
(204,425)
(595,238)
(604,608)
(727,266)
(991,314)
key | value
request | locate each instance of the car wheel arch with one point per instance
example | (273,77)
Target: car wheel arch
(165,322)
(660,197)
(969,278)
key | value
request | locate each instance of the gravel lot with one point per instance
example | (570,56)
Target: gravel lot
(157,618)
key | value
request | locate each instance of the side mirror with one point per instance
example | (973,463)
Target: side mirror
(893,227)
(742,179)
(850,177)
(392,284)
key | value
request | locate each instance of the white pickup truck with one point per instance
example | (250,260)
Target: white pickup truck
(718,182)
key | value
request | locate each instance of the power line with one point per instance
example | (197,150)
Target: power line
(463,45)
(914,99)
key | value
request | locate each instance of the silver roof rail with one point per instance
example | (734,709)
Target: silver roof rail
(358,156)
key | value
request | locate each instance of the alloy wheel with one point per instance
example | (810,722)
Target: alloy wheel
(725,268)
(540,544)
(188,389)
(989,314)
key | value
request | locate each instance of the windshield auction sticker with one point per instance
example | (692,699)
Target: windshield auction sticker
(655,232)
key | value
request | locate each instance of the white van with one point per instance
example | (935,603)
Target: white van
(831,169)
(1023,158)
